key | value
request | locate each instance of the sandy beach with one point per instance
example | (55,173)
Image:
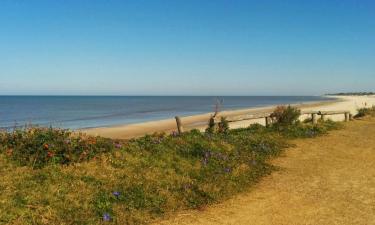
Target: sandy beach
(348,103)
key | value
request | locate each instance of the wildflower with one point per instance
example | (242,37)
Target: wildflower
(116,194)
(118,145)
(50,154)
(205,161)
(46,146)
(187,186)
(174,134)
(106,217)
(9,152)
(227,170)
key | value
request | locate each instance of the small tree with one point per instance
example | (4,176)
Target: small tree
(218,104)
(286,115)
(212,128)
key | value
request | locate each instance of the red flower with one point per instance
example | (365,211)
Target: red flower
(50,154)
(45,146)
(9,152)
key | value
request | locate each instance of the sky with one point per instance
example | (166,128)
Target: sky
(186,47)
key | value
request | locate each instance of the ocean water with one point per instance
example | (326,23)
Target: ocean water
(76,112)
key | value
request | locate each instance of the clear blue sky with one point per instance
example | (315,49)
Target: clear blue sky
(186,47)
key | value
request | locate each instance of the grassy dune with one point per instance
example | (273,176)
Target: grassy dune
(52,176)
(325,180)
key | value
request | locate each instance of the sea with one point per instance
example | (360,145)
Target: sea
(78,112)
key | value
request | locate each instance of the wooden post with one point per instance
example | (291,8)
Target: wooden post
(179,125)
(350,116)
(323,117)
(314,119)
(268,121)
(346,116)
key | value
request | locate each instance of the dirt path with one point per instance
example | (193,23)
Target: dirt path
(328,180)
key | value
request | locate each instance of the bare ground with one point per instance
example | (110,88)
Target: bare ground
(328,180)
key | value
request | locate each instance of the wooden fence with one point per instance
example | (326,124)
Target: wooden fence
(269,119)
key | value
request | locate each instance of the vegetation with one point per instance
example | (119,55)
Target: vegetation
(211,126)
(353,93)
(362,112)
(52,176)
(285,115)
(37,147)
(223,126)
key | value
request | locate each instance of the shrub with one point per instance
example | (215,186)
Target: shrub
(304,130)
(286,115)
(362,112)
(223,126)
(211,125)
(39,146)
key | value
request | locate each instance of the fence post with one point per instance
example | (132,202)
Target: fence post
(323,117)
(268,121)
(314,119)
(179,125)
(346,116)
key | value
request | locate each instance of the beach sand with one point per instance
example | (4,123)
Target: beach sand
(348,103)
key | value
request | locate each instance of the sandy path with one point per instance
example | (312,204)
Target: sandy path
(328,180)
(200,121)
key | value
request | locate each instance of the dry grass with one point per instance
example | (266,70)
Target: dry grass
(327,180)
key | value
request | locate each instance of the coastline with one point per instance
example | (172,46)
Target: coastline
(127,131)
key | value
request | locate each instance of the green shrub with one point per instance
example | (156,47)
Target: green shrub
(223,126)
(307,130)
(37,147)
(362,112)
(285,115)
(211,126)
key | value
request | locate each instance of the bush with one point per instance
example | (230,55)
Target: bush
(362,112)
(285,115)
(223,125)
(39,146)
(211,126)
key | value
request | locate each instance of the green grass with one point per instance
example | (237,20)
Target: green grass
(132,181)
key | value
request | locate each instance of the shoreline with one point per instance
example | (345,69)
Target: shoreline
(128,131)
(199,121)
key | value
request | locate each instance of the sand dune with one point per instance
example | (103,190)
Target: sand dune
(350,103)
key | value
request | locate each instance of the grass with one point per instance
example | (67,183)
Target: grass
(52,176)
(325,180)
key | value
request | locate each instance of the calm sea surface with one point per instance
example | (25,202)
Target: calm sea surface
(82,112)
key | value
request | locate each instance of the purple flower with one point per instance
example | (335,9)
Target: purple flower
(118,145)
(158,141)
(205,161)
(116,194)
(227,170)
(174,134)
(106,217)
(187,186)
